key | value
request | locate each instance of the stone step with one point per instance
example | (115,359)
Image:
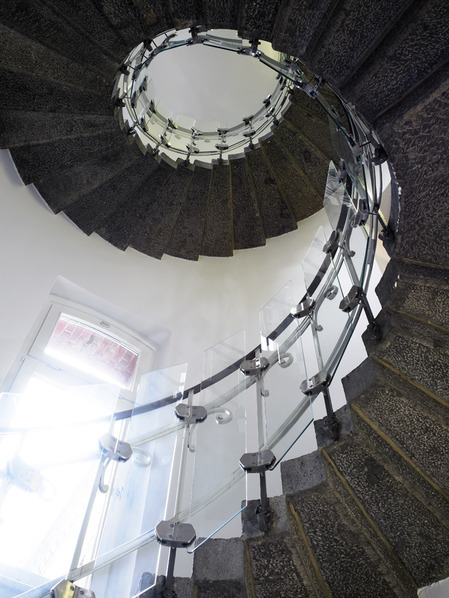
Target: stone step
(23,55)
(90,211)
(184,14)
(223,12)
(218,229)
(187,235)
(154,235)
(256,18)
(414,47)
(417,351)
(248,227)
(275,568)
(64,188)
(354,31)
(417,290)
(402,418)
(276,215)
(39,23)
(154,16)
(310,120)
(37,161)
(23,91)
(85,17)
(21,128)
(302,197)
(123,224)
(219,569)
(350,562)
(414,134)
(417,536)
(124,19)
(313,164)
(298,26)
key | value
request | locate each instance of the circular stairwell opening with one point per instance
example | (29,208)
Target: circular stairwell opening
(198,96)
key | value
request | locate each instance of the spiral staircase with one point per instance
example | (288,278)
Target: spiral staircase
(368,515)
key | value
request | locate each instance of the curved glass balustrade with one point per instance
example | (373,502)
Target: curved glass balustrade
(247,403)
(179,138)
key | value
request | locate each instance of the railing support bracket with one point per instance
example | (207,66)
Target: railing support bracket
(174,535)
(260,463)
(67,589)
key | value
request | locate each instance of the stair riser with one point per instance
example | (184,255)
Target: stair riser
(412,530)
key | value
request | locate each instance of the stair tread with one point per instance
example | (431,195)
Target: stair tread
(298,26)
(301,196)
(354,29)
(20,128)
(64,188)
(393,68)
(124,223)
(403,408)
(35,162)
(187,12)
(123,18)
(155,16)
(275,213)
(219,589)
(23,55)
(419,351)
(187,235)
(311,162)
(309,118)
(257,17)
(217,239)
(154,236)
(23,91)
(93,208)
(220,11)
(414,532)
(416,135)
(349,564)
(275,569)
(36,21)
(248,229)
(85,16)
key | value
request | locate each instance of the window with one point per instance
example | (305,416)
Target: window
(76,371)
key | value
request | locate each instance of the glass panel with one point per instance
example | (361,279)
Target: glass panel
(286,414)
(136,499)
(316,264)
(219,442)
(48,463)
(330,320)
(336,201)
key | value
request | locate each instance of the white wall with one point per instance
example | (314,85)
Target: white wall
(200,302)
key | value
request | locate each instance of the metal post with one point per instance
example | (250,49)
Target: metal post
(331,424)
(263,510)
(170,579)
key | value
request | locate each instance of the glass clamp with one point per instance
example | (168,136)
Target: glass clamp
(66,589)
(191,414)
(115,449)
(351,300)
(332,245)
(316,384)
(305,308)
(175,535)
(257,462)
(254,367)
(361,216)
